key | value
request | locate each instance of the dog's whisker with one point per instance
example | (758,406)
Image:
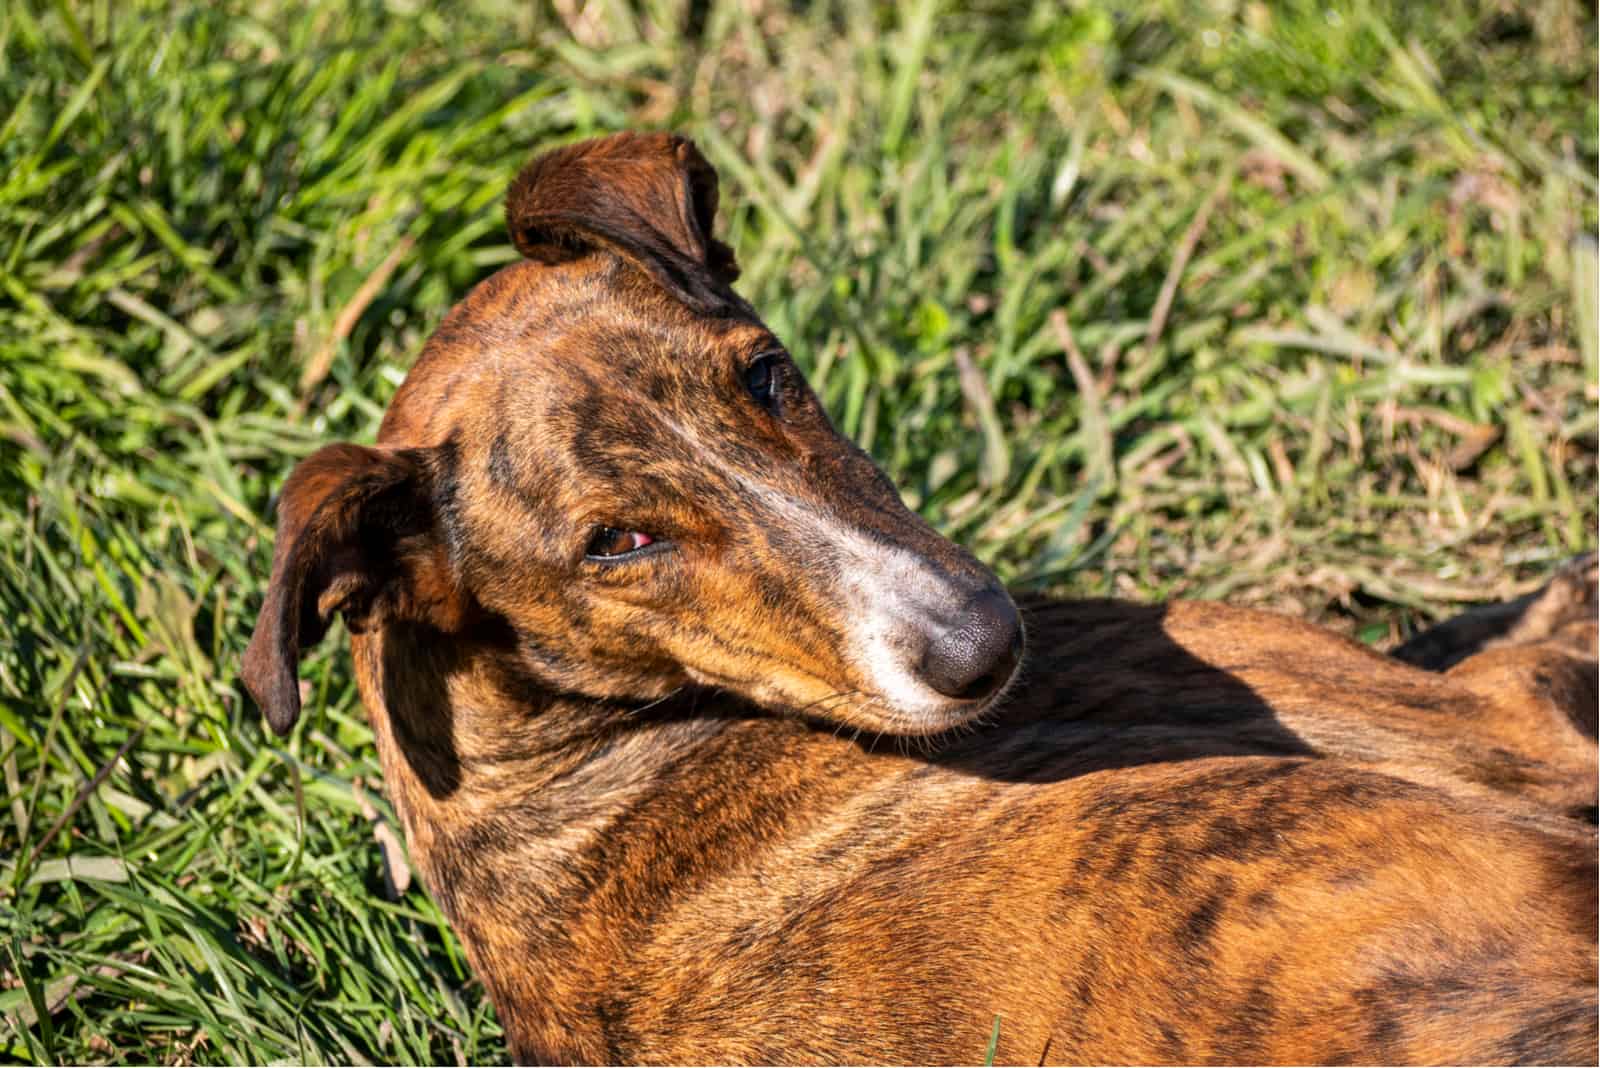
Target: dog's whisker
(663,699)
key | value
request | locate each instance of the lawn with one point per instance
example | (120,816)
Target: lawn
(1292,304)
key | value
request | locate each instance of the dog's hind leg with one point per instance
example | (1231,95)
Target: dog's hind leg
(1536,663)
(1561,614)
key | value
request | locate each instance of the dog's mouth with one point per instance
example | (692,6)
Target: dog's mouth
(930,712)
(889,627)
(898,671)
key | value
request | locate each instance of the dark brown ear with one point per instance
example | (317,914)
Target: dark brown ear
(355,535)
(650,198)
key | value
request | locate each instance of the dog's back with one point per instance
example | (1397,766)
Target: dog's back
(1136,862)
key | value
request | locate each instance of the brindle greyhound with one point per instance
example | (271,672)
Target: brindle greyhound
(615,587)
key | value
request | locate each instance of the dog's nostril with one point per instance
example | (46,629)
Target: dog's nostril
(976,657)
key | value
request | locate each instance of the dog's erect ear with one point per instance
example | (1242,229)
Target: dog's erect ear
(650,198)
(355,535)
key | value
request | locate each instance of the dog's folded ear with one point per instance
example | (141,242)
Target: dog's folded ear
(355,535)
(650,198)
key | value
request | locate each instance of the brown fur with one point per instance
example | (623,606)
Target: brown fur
(672,820)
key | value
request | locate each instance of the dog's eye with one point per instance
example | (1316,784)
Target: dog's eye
(762,378)
(610,542)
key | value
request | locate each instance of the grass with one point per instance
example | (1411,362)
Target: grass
(1292,304)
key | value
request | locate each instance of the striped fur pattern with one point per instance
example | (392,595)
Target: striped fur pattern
(700,802)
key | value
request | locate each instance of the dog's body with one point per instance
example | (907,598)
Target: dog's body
(705,744)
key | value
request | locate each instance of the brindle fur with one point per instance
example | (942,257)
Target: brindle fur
(672,821)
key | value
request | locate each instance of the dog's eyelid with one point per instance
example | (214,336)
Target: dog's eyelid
(768,351)
(764,378)
(611,544)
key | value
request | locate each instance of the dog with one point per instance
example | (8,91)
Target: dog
(713,751)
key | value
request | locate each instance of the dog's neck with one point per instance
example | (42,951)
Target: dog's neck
(461,730)
(544,823)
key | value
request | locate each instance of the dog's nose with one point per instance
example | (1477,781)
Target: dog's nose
(976,656)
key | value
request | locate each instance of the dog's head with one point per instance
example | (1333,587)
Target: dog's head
(603,449)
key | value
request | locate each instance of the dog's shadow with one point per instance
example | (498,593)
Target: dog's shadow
(1104,686)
